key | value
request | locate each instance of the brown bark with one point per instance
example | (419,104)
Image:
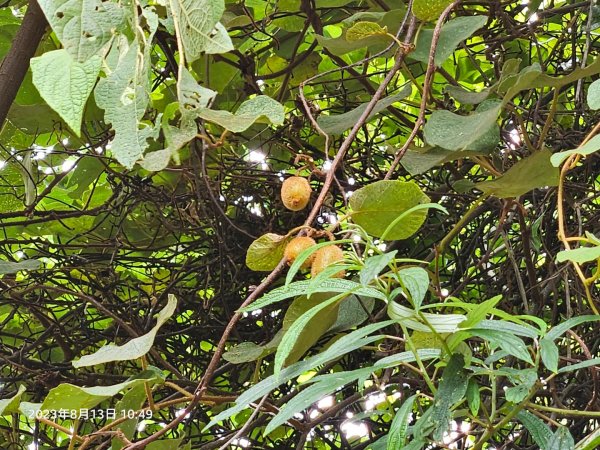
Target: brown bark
(16,62)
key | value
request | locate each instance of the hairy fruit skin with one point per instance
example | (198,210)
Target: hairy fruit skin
(295,193)
(297,246)
(325,257)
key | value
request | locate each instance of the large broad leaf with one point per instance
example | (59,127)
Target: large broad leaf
(136,348)
(593,95)
(340,45)
(14,267)
(265,252)
(197,22)
(11,405)
(453,33)
(65,84)
(364,29)
(376,206)
(249,112)
(476,132)
(124,98)
(592,146)
(429,10)
(579,255)
(84,27)
(530,173)
(69,396)
(337,124)
(418,161)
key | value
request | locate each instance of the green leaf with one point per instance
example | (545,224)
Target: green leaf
(429,10)
(374,265)
(84,27)
(316,327)
(65,84)
(192,95)
(249,112)
(399,426)
(420,160)
(197,27)
(590,442)
(473,397)
(136,348)
(243,353)
(288,342)
(13,267)
(415,280)
(452,34)
(132,400)
(561,440)
(560,329)
(477,132)
(540,432)
(345,344)
(440,323)
(376,206)
(337,124)
(352,312)
(11,405)
(476,315)
(326,385)
(549,354)
(451,390)
(467,97)
(580,365)
(362,30)
(124,98)
(593,95)
(579,255)
(299,288)
(592,146)
(168,444)
(523,381)
(529,173)
(69,396)
(265,252)
(340,45)
(507,341)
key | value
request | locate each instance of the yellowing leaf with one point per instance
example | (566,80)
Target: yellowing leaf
(265,252)
(362,30)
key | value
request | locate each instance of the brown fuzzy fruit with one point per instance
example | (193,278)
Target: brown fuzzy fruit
(297,246)
(295,193)
(327,256)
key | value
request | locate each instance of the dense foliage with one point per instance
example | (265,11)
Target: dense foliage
(450,295)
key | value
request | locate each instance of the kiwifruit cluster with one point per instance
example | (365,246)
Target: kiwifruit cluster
(295,194)
(317,261)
